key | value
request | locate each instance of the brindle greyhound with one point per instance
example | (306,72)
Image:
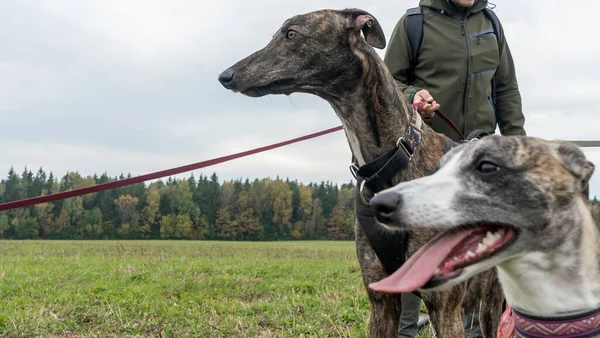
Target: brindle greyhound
(323,53)
(516,203)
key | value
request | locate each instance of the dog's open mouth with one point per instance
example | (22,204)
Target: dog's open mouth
(444,257)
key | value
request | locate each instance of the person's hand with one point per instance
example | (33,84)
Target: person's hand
(429,105)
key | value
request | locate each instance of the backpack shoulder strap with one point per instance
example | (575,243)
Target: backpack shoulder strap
(489,13)
(495,24)
(414,28)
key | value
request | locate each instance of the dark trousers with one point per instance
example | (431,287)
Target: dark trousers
(411,306)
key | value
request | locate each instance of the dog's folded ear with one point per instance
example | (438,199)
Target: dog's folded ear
(365,22)
(575,161)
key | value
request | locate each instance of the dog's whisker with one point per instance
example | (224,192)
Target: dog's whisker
(290,99)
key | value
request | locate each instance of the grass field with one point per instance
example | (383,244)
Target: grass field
(180,288)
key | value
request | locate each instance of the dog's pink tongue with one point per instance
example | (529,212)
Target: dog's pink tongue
(420,267)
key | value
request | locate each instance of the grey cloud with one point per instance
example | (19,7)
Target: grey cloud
(132,86)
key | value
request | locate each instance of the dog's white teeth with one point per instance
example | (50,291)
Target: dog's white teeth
(481,248)
(437,271)
(490,238)
(470,254)
(455,258)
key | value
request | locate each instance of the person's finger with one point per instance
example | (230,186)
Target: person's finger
(422,96)
(427,113)
(428,116)
(419,99)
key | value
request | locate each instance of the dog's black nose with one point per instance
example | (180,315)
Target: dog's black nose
(226,76)
(385,205)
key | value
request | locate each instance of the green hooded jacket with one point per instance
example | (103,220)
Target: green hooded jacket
(458,58)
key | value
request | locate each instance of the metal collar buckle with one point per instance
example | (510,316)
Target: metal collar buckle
(354,170)
(361,193)
(399,144)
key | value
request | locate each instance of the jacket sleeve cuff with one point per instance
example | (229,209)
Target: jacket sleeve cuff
(410,93)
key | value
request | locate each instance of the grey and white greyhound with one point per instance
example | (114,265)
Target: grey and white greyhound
(329,53)
(516,203)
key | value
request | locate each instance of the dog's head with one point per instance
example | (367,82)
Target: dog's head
(497,199)
(318,52)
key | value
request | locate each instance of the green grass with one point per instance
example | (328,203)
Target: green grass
(181,288)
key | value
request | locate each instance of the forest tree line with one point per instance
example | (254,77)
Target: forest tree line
(202,208)
(193,208)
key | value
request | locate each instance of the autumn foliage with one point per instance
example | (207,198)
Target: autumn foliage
(202,208)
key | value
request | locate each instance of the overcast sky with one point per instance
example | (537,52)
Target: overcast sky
(131,85)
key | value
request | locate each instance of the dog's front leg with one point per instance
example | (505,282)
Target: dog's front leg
(385,309)
(491,304)
(385,314)
(445,311)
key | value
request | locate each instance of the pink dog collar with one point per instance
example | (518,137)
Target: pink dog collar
(568,325)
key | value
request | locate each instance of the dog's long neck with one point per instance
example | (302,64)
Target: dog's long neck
(375,115)
(565,279)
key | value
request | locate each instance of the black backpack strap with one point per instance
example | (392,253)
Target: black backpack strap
(489,13)
(477,134)
(495,24)
(414,28)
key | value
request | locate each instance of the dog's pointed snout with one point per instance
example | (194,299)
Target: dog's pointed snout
(226,76)
(385,205)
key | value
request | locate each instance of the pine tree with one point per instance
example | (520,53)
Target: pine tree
(26,182)
(282,207)
(45,219)
(38,184)
(128,215)
(211,202)
(150,214)
(225,226)
(4,224)
(13,188)
(249,227)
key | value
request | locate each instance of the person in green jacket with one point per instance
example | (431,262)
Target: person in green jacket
(458,58)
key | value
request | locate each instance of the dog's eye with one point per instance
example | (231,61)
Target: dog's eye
(291,34)
(487,167)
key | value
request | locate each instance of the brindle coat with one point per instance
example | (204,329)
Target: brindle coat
(323,53)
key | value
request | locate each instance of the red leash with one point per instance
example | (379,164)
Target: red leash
(138,179)
(419,108)
(178,170)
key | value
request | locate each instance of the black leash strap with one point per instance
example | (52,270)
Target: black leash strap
(389,246)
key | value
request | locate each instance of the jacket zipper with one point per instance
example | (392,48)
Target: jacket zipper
(464,98)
